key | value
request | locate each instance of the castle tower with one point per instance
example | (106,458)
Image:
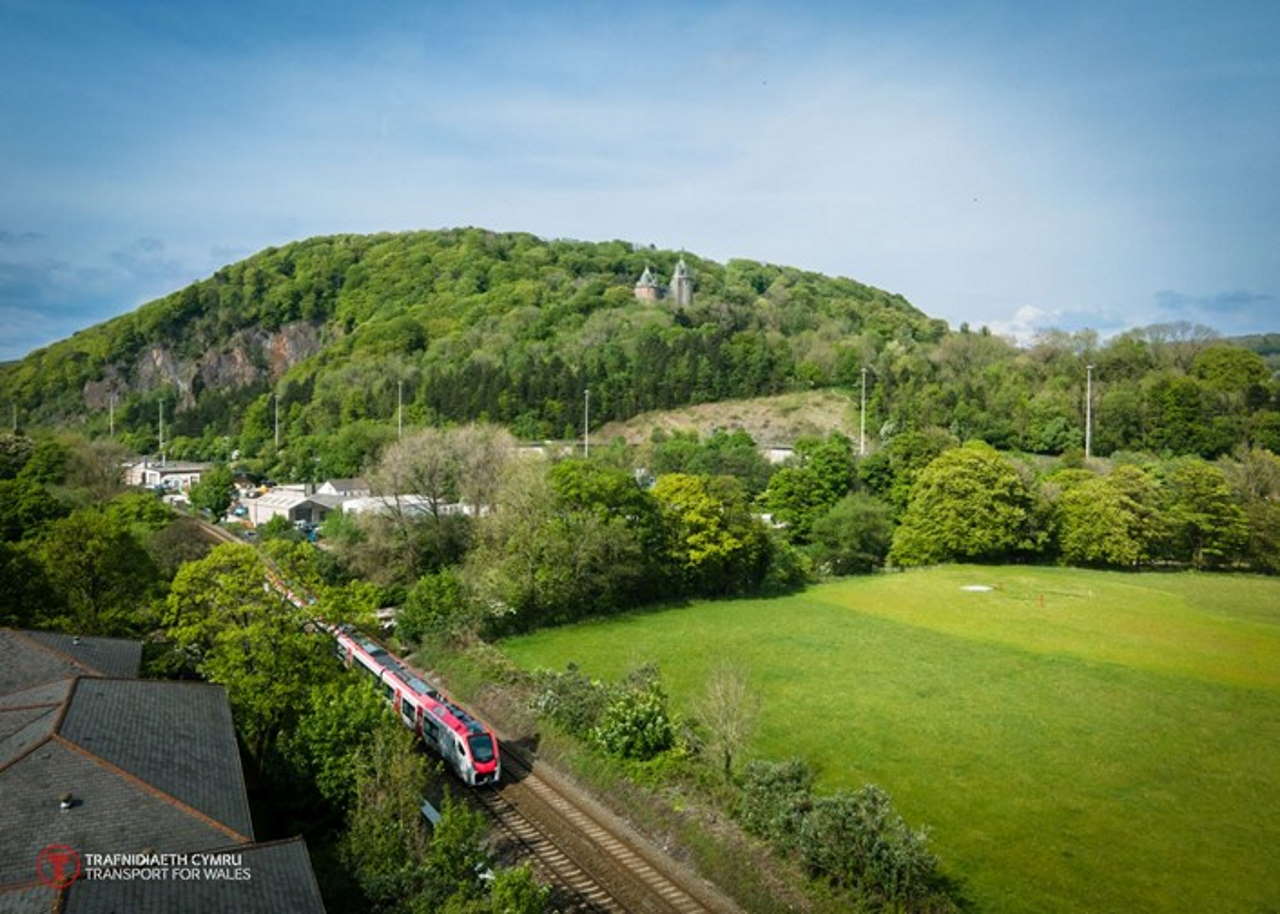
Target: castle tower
(647,286)
(682,284)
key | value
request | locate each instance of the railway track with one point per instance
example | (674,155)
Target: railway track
(587,856)
(595,865)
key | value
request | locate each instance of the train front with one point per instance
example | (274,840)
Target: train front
(486,765)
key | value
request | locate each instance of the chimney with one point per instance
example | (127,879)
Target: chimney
(66,801)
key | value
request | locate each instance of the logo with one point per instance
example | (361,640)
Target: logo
(58,866)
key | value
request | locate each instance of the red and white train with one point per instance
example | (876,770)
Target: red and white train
(466,744)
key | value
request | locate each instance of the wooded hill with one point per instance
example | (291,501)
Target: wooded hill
(513,328)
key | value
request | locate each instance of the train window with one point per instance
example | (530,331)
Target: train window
(482,748)
(430,727)
(387,690)
(406,708)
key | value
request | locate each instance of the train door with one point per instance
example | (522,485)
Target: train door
(407,712)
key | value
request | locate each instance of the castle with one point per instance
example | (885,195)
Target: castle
(649,288)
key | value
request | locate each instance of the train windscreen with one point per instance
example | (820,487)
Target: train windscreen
(482,749)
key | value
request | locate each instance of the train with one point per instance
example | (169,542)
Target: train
(466,744)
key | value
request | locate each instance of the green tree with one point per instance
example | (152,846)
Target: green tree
(26,599)
(543,557)
(48,462)
(385,843)
(515,891)
(248,638)
(713,542)
(215,490)
(327,746)
(25,508)
(15,451)
(100,570)
(434,604)
(1207,525)
(1111,520)
(968,504)
(854,536)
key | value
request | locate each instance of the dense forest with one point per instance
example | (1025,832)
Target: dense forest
(471,325)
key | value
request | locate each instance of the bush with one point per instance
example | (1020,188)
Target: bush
(857,840)
(789,568)
(436,604)
(571,699)
(635,725)
(775,799)
(854,536)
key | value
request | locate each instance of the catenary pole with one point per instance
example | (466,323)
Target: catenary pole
(862,417)
(586,422)
(1088,412)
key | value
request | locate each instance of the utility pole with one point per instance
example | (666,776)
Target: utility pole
(160,429)
(399,409)
(277,397)
(862,417)
(1088,412)
(586,423)
(111,416)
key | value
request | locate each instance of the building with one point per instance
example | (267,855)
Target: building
(176,475)
(649,288)
(293,505)
(406,504)
(93,761)
(347,488)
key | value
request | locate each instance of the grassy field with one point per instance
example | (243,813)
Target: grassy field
(1079,741)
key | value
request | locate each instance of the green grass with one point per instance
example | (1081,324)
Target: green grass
(1079,741)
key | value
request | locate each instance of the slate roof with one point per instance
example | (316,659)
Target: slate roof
(26,662)
(112,814)
(108,656)
(151,765)
(281,882)
(177,737)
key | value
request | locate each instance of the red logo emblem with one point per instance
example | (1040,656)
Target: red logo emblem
(58,866)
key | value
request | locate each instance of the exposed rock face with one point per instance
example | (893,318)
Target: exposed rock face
(249,356)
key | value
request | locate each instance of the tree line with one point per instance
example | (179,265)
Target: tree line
(467,325)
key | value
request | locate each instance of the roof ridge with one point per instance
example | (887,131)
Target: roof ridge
(254,845)
(47,704)
(152,789)
(63,654)
(25,752)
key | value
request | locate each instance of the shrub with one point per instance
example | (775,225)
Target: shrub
(571,699)
(857,840)
(635,724)
(775,798)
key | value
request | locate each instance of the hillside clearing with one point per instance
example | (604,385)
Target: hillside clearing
(777,420)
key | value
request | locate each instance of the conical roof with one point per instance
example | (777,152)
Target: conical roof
(646,278)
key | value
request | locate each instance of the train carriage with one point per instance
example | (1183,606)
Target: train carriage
(465,743)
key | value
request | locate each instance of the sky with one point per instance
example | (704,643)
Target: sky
(1020,165)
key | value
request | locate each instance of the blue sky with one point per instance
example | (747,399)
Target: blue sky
(1022,165)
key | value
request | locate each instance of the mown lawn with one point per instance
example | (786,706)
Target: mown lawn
(1079,741)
